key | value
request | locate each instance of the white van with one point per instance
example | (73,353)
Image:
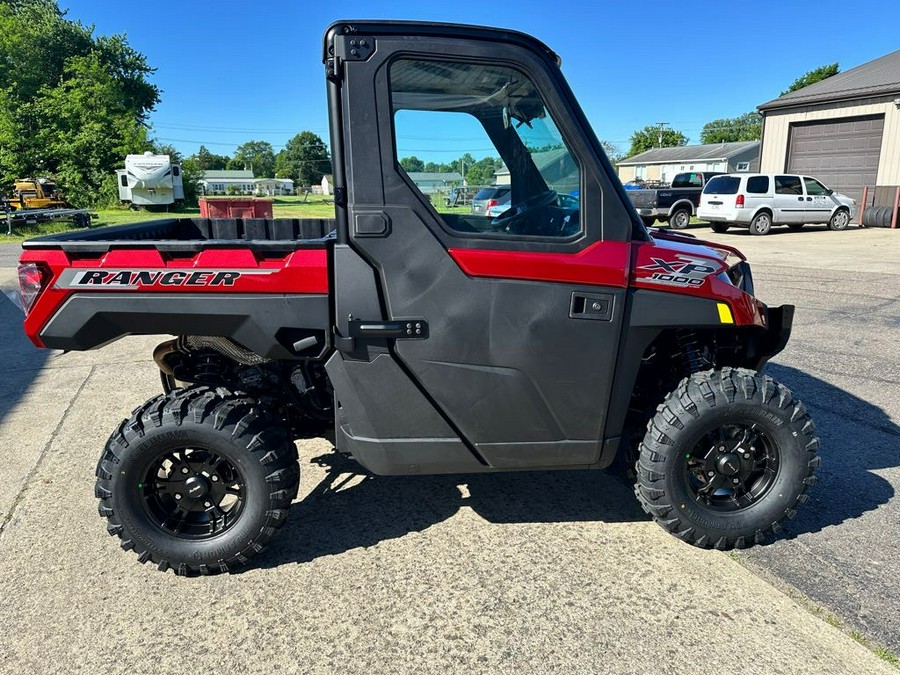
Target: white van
(759,201)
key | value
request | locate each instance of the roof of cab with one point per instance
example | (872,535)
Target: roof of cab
(429,29)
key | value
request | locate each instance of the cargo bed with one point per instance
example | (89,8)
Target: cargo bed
(260,282)
(194,234)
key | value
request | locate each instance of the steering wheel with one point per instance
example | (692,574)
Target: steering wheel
(514,218)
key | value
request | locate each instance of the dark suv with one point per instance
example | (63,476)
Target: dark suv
(489,197)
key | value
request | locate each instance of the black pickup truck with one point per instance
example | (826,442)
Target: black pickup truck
(557,335)
(676,204)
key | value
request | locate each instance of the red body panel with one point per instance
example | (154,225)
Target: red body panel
(304,271)
(653,265)
(601,264)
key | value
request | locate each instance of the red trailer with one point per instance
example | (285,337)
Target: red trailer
(229,207)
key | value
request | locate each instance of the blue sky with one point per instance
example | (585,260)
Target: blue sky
(235,71)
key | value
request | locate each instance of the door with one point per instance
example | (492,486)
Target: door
(506,326)
(790,200)
(818,201)
(843,153)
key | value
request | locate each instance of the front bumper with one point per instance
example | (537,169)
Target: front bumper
(779,321)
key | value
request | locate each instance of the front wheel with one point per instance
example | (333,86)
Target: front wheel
(839,220)
(727,458)
(197,480)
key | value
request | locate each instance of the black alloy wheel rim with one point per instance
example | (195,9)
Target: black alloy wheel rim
(193,493)
(731,467)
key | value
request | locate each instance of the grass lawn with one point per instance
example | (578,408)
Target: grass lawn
(312,206)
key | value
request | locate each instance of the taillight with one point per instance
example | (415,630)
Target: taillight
(491,203)
(739,201)
(31,281)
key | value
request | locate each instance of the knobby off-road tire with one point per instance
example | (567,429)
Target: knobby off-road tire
(197,480)
(683,441)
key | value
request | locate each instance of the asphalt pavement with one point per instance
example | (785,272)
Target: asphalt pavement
(537,572)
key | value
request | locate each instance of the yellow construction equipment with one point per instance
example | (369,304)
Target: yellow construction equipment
(36,193)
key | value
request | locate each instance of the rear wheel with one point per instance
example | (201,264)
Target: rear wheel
(839,220)
(679,219)
(726,459)
(198,480)
(719,227)
(761,223)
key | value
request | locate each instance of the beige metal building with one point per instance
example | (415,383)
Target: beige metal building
(844,130)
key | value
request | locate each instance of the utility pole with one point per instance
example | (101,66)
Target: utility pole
(660,125)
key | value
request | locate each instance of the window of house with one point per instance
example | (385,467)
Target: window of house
(123,181)
(471,119)
(176,170)
(743,166)
(640,171)
(788,185)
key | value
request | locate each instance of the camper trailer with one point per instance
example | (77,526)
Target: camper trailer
(150,179)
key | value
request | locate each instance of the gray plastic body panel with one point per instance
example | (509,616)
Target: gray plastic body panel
(268,324)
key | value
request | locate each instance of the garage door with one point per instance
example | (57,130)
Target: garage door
(843,153)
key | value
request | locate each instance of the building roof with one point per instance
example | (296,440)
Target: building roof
(446,177)
(880,77)
(702,153)
(227,173)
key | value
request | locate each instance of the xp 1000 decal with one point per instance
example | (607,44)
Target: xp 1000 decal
(686,271)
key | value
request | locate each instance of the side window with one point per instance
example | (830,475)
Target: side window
(123,180)
(813,187)
(176,170)
(758,184)
(478,142)
(788,185)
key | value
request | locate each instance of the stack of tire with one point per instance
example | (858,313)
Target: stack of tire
(878,217)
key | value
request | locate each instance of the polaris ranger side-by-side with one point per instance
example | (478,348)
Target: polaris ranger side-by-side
(559,334)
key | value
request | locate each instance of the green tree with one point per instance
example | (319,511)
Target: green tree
(747,127)
(71,105)
(256,156)
(813,76)
(207,160)
(304,159)
(613,152)
(412,163)
(652,136)
(481,172)
(191,174)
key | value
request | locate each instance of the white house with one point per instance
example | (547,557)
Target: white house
(661,164)
(429,182)
(218,181)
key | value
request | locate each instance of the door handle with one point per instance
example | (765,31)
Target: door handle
(800,198)
(404,328)
(809,199)
(592,306)
(377,328)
